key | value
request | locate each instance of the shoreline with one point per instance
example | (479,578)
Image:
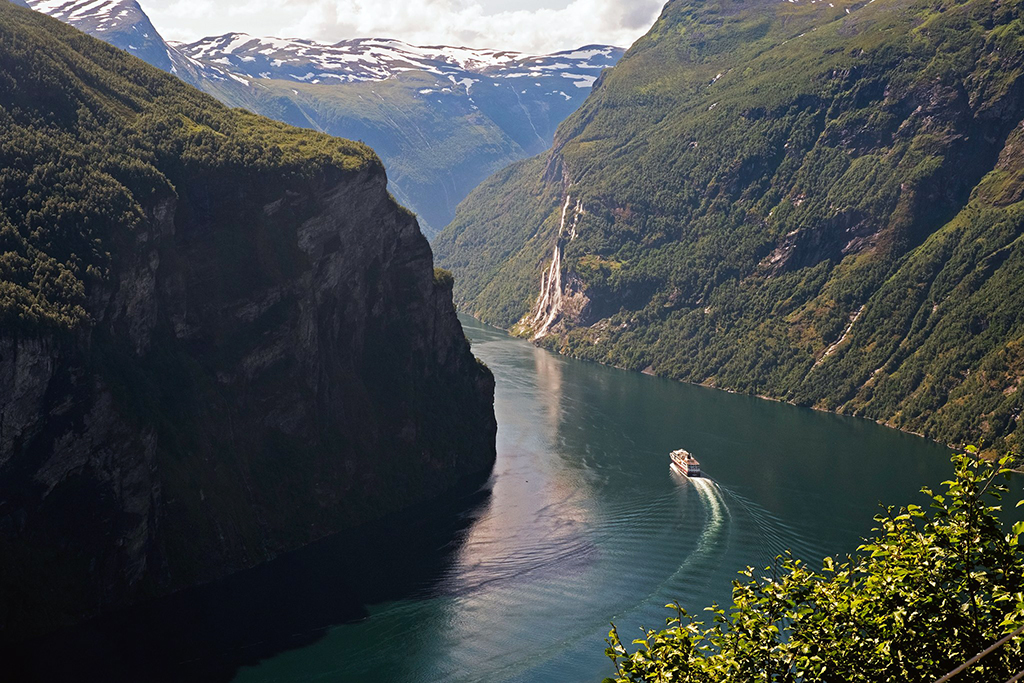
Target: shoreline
(988,454)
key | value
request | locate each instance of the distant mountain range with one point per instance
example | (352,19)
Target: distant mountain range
(370,59)
(441,118)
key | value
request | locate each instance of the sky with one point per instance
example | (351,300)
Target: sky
(533,26)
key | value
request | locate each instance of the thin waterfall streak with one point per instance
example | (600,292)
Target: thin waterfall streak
(556,294)
(550,303)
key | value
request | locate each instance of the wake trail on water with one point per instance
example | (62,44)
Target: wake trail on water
(772,536)
(711,542)
(716,526)
(710,545)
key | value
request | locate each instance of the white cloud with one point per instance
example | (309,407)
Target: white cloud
(514,25)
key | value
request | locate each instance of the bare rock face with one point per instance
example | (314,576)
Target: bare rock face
(272,361)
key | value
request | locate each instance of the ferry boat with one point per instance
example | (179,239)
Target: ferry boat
(684,463)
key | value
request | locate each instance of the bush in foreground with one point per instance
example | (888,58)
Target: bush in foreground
(929,591)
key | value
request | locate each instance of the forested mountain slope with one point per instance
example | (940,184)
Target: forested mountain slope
(814,201)
(441,118)
(220,338)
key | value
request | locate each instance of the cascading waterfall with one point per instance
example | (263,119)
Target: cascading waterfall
(553,295)
(549,305)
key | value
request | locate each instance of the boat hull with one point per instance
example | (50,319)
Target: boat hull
(683,471)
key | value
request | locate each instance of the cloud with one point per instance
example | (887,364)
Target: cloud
(516,26)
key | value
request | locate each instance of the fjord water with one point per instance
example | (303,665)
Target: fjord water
(585,523)
(582,523)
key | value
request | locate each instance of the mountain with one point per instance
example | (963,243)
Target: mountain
(441,118)
(307,61)
(818,202)
(220,337)
(122,22)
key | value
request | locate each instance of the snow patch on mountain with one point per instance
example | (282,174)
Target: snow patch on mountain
(244,58)
(123,24)
(375,59)
(95,16)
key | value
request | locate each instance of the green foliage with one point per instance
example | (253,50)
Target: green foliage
(443,278)
(156,244)
(91,140)
(502,265)
(755,177)
(930,590)
(435,147)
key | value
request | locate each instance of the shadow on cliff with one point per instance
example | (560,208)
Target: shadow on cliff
(208,633)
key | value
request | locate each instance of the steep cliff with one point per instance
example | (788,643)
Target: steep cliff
(814,201)
(220,337)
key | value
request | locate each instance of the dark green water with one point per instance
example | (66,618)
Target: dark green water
(581,524)
(586,524)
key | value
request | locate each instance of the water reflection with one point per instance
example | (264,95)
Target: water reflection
(523,557)
(548,374)
(518,534)
(585,524)
(209,633)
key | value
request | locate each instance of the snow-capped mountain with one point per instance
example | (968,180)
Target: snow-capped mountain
(371,59)
(121,23)
(441,118)
(124,24)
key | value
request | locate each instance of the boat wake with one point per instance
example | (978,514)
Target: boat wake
(771,535)
(713,537)
(700,563)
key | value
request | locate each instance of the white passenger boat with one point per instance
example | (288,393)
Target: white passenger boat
(684,463)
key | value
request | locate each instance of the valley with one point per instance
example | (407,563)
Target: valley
(441,118)
(359,358)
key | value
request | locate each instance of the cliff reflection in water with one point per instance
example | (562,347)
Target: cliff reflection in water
(524,555)
(208,634)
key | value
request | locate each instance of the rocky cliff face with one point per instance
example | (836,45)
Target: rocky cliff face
(234,400)
(267,359)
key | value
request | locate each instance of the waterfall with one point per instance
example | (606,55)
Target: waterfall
(549,304)
(553,295)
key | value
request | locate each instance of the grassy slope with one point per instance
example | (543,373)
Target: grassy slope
(435,147)
(754,175)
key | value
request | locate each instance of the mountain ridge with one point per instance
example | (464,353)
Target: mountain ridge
(381,59)
(441,125)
